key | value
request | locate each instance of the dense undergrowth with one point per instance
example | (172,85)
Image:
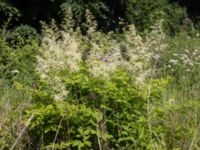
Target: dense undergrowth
(69,89)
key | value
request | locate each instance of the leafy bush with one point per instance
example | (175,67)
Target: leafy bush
(109,112)
(97,90)
(7,13)
(144,14)
(17,63)
(22,35)
(113,113)
(17,67)
(64,125)
(17,53)
(97,7)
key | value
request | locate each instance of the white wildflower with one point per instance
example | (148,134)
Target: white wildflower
(157,56)
(188,70)
(106,55)
(173,61)
(15,71)
(169,66)
(175,55)
(59,50)
(187,51)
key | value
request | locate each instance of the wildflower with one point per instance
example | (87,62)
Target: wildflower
(184,57)
(191,63)
(183,77)
(173,61)
(175,54)
(169,66)
(15,71)
(171,100)
(58,97)
(43,76)
(188,70)
(157,56)
(187,51)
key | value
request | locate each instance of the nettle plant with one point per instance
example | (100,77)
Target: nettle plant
(112,113)
(97,113)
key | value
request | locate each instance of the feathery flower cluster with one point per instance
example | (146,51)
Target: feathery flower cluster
(139,54)
(59,50)
(133,53)
(104,56)
(63,49)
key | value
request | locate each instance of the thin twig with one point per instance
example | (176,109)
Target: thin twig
(24,129)
(149,115)
(99,142)
(148,106)
(54,141)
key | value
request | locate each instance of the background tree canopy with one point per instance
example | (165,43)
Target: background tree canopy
(109,14)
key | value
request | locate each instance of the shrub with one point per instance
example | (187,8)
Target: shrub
(17,64)
(8,12)
(22,35)
(107,111)
(144,14)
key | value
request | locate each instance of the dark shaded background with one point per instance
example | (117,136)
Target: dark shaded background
(35,10)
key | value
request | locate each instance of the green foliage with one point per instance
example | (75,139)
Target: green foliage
(17,53)
(112,110)
(23,35)
(7,12)
(176,19)
(182,60)
(79,7)
(17,63)
(62,121)
(144,14)
(54,79)
(172,118)
(17,75)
